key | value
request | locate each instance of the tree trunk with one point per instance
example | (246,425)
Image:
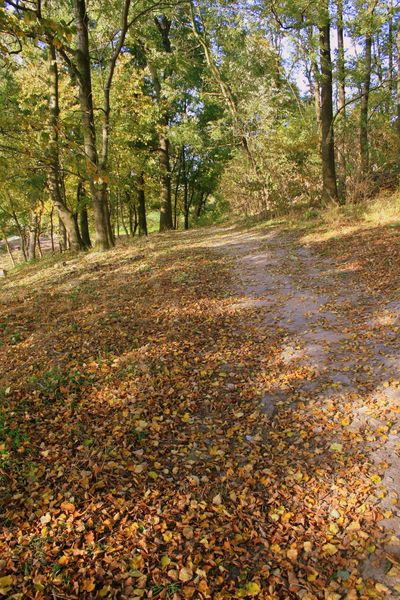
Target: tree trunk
(110,230)
(201,204)
(38,230)
(52,229)
(32,238)
(83,217)
(62,235)
(55,173)
(316,76)
(341,75)
(130,212)
(185,191)
(117,223)
(364,143)
(106,112)
(166,223)
(22,236)
(398,82)
(135,223)
(327,139)
(166,201)
(10,254)
(142,207)
(98,188)
(123,221)
(392,81)
(176,193)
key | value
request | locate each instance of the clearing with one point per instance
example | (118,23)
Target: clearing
(212,414)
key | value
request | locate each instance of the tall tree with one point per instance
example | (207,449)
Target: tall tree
(327,135)
(341,77)
(366,84)
(163,24)
(54,179)
(93,168)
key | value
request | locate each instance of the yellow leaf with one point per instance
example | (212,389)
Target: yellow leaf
(375,479)
(292,554)
(63,560)
(394,571)
(330,549)
(312,576)
(354,526)
(6,581)
(298,476)
(217,500)
(274,517)
(165,561)
(307,546)
(185,574)
(153,474)
(336,447)
(252,588)
(333,528)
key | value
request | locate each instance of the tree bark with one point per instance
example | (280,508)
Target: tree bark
(177,184)
(201,204)
(33,227)
(123,220)
(22,235)
(316,77)
(83,217)
(398,82)
(341,75)
(392,81)
(38,229)
(142,207)
(185,191)
(329,190)
(54,177)
(166,221)
(166,195)
(10,254)
(364,142)
(103,241)
(52,229)
(106,112)
(62,235)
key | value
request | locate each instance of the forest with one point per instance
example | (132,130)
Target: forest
(199,299)
(114,112)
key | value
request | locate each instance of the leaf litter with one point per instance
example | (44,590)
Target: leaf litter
(138,459)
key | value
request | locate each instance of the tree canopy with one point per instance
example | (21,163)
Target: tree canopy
(114,110)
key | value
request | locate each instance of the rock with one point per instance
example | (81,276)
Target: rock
(3,273)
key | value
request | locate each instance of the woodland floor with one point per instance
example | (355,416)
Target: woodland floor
(212,414)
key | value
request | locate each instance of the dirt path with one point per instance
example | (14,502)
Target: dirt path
(349,340)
